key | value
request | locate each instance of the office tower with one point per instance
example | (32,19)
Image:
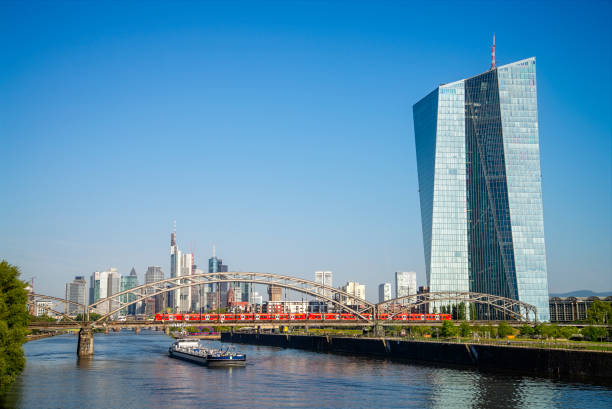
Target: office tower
(354,289)
(181,265)
(128,282)
(215,265)
(156,303)
(113,287)
(275,293)
(98,290)
(325,278)
(405,283)
(384,292)
(76,292)
(480,186)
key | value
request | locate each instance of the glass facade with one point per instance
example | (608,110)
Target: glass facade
(480,186)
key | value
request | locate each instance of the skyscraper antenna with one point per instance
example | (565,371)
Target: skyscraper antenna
(175,227)
(213,251)
(493,53)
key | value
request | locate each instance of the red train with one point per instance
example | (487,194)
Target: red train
(298,317)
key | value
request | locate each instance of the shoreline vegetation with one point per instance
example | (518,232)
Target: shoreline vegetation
(14,319)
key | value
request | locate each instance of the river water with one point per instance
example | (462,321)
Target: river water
(134,371)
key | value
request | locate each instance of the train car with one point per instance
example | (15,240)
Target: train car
(348,317)
(367,316)
(261,317)
(298,317)
(315,316)
(383,316)
(328,316)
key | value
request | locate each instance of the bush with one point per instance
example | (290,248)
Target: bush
(503,329)
(600,312)
(464,329)
(594,333)
(567,332)
(526,330)
(448,330)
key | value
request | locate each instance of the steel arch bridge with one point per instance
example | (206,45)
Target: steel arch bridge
(515,309)
(300,285)
(34,297)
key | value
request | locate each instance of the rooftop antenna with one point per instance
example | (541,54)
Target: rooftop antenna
(493,53)
(213,251)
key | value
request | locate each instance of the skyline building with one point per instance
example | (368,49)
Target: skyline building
(128,282)
(384,292)
(405,283)
(181,265)
(156,303)
(76,291)
(98,290)
(355,289)
(325,278)
(113,287)
(478,160)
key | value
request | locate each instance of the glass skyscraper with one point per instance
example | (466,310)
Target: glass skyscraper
(480,189)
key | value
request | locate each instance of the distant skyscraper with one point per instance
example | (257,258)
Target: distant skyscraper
(356,290)
(128,282)
(154,274)
(384,292)
(405,283)
(113,287)
(275,293)
(98,290)
(76,291)
(181,265)
(325,278)
(480,186)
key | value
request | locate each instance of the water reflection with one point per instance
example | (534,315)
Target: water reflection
(134,371)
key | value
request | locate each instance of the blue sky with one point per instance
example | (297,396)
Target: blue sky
(281,131)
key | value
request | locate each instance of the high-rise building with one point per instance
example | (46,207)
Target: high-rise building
(356,290)
(405,283)
(215,265)
(480,186)
(181,265)
(76,291)
(98,286)
(384,292)
(128,282)
(113,287)
(325,278)
(154,304)
(275,293)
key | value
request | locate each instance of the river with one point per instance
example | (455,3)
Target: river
(134,371)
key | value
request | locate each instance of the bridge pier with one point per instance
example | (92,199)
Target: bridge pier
(167,330)
(136,330)
(85,347)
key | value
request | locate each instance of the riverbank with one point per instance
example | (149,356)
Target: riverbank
(585,366)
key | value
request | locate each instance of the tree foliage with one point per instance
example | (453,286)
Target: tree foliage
(464,329)
(594,333)
(14,319)
(503,329)
(448,329)
(599,312)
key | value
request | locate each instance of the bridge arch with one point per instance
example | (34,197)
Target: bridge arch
(516,309)
(308,287)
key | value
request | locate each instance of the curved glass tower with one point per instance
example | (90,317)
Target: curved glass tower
(480,188)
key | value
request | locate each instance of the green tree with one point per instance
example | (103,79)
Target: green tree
(461,311)
(448,330)
(599,312)
(454,312)
(14,320)
(503,329)
(473,315)
(594,333)
(526,330)
(464,329)
(567,332)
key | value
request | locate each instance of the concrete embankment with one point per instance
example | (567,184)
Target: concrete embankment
(590,366)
